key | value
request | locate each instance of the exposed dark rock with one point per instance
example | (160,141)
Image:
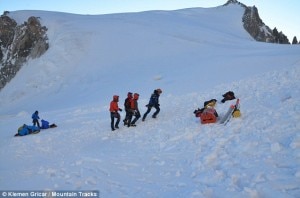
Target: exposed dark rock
(7,27)
(256,27)
(18,43)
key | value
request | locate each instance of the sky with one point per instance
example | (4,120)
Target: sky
(275,13)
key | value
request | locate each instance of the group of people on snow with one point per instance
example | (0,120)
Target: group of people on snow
(26,129)
(132,109)
(207,113)
(45,124)
(131,117)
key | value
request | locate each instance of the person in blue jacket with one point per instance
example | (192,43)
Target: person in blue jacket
(26,130)
(46,125)
(153,102)
(35,119)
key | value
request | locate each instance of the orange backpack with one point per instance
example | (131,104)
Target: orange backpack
(208,116)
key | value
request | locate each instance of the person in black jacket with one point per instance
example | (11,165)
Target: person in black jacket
(228,96)
(153,102)
(127,105)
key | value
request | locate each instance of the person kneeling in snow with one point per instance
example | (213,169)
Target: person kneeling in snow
(45,125)
(228,96)
(207,104)
(127,106)
(207,114)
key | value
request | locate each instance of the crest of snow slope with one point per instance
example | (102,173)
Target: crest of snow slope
(93,57)
(193,55)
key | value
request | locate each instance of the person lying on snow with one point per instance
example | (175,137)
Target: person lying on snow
(26,130)
(45,125)
(228,96)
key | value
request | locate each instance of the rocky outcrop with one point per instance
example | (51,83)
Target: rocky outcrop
(256,27)
(18,43)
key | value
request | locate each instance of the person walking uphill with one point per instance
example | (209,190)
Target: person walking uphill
(114,108)
(127,105)
(134,110)
(35,119)
(153,102)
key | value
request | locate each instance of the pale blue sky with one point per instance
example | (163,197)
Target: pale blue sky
(275,13)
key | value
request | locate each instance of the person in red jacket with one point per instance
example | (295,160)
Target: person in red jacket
(134,108)
(114,108)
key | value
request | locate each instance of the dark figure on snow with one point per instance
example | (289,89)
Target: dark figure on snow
(134,111)
(153,102)
(114,108)
(127,105)
(35,119)
(228,96)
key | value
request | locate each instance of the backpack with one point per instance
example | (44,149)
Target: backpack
(209,115)
(236,113)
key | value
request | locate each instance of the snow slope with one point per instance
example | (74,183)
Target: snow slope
(193,55)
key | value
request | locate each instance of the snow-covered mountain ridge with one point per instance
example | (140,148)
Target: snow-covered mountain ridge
(200,36)
(28,39)
(193,55)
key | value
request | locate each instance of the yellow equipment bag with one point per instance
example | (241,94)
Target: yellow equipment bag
(236,113)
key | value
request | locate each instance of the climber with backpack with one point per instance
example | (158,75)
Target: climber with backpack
(127,106)
(46,125)
(134,110)
(153,102)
